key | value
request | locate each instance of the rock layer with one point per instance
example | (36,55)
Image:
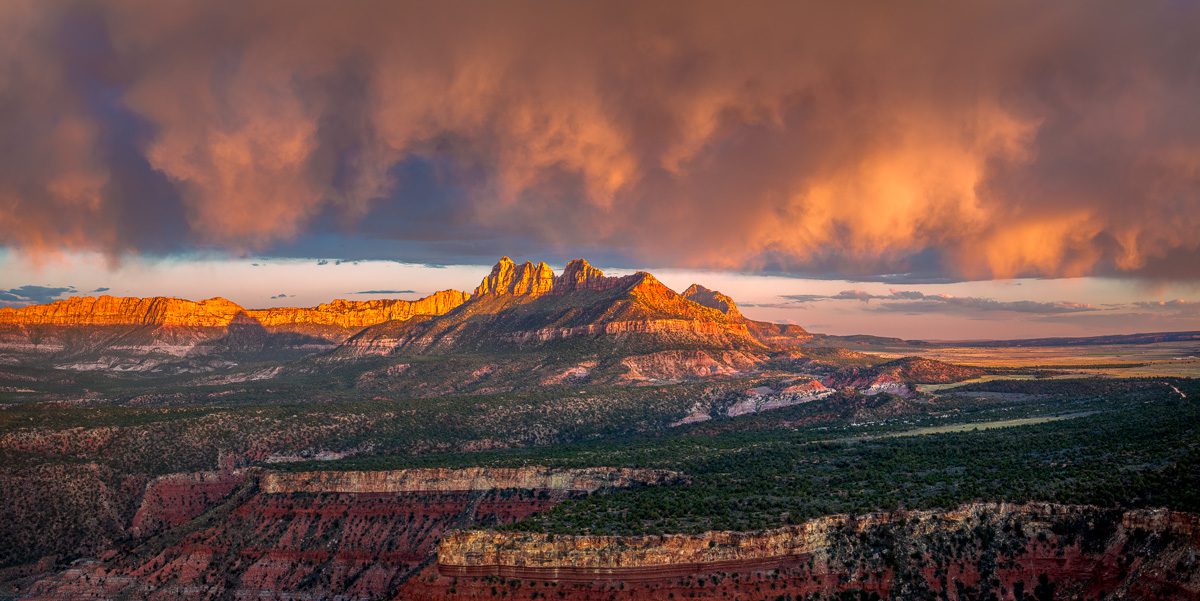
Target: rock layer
(978,551)
(219,312)
(465,479)
(176,498)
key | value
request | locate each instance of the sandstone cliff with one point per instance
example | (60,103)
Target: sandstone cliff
(126,311)
(465,479)
(176,498)
(174,335)
(507,279)
(219,312)
(978,551)
(360,314)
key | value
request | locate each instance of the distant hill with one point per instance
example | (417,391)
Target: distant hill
(1144,338)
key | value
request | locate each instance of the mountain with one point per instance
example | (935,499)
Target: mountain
(527,305)
(574,326)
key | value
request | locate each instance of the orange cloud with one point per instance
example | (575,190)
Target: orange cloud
(1003,138)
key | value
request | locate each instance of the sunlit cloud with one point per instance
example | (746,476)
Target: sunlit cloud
(785,137)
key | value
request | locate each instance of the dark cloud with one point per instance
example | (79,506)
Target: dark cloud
(915,142)
(101,289)
(281,295)
(34,295)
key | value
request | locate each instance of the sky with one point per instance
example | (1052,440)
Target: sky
(921,169)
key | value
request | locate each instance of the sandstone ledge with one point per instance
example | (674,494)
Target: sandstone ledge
(466,479)
(538,555)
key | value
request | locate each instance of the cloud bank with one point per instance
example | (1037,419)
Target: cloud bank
(963,140)
(915,301)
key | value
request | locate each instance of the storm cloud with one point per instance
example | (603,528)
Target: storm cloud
(960,140)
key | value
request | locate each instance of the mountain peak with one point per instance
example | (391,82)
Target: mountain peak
(510,279)
(712,299)
(580,275)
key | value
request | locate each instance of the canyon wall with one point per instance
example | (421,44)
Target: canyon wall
(353,536)
(979,551)
(176,498)
(465,479)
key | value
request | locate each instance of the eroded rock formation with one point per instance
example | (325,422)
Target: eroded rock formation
(176,498)
(976,552)
(354,536)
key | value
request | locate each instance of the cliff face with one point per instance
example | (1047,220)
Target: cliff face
(352,547)
(507,279)
(354,536)
(466,479)
(978,551)
(220,313)
(360,314)
(176,498)
(161,334)
(681,365)
(580,275)
(125,311)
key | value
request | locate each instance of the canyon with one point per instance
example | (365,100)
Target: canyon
(250,534)
(440,536)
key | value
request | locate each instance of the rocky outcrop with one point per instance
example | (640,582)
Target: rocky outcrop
(348,547)
(712,299)
(176,498)
(688,364)
(465,479)
(353,536)
(509,279)
(778,335)
(978,551)
(580,275)
(767,398)
(360,314)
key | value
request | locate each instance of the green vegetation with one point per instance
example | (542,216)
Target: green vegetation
(1128,443)
(1142,449)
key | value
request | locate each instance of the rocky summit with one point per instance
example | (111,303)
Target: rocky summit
(527,305)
